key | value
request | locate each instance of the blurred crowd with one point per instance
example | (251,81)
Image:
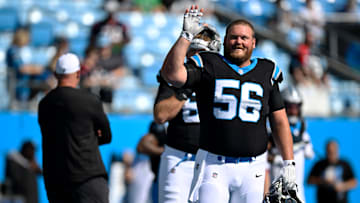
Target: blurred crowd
(110,42)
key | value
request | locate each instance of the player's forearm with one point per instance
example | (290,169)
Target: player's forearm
(151,149)
(313,180)
(282,135)
(167,109)
(173,69)
(105,135)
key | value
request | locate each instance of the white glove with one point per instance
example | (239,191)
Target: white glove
(191,24)
(289,174)
(289,180)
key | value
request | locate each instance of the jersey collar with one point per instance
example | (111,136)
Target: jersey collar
(242,70)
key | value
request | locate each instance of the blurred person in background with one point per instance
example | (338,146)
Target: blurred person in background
(307,66)
(332,176)
(88,65)
(141,180)
(149,5)
(178,106)
(73,168)
(152,144)
(120,176)
(313,19)
(111,27)
(303,148)
(61,47)
(30,78)
(21,173)
(102,71)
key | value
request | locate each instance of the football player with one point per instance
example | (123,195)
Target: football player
(178,106)
(303,148)
(235,95)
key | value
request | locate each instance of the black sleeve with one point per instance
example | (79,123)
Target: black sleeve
(348,172)
(275,100)
(164,92)
(193,75)
(316,170)
(101,122)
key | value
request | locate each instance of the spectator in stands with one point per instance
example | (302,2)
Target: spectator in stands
(307,65)
(111,27)
(313,18)
(88,65)
(102,71)
(285,22)
(333,176)
(62,47)
(30,78)
(124,5)
(21,173)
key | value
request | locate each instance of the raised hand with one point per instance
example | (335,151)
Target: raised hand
(191,23)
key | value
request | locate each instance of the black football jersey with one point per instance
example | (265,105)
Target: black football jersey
(183,131)
(297,131)
(234,102)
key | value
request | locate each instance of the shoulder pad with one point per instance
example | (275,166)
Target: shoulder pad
(197,60)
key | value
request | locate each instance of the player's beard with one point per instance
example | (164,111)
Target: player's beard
(238,56)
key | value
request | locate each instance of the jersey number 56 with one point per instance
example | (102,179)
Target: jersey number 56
(247,109)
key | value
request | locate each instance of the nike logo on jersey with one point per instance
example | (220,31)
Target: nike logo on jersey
(258,175)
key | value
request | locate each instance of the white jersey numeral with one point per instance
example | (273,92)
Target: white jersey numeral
(249,108)
(190,112)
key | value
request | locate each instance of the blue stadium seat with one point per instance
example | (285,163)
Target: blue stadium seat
(133,50)
(42,34)
(9,19)
(148,75)
(133,101)
(352,55)
(6,39)
(257,11)
(296,5)
(78,45)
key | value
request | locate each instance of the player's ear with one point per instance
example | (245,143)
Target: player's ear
(254,43)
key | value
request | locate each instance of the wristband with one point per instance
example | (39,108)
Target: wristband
(289,162)
(187,35)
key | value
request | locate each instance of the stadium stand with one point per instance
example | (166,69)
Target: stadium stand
(152,34)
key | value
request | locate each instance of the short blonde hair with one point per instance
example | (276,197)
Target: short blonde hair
(21,37)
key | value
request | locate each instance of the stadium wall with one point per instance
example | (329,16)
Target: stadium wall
(127,130)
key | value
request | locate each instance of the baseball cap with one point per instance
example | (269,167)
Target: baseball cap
(67,63)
